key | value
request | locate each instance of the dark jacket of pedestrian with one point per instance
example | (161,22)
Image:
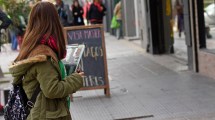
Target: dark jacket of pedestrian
(5,20)
(77,12)
(96,12)
(64,13)
(39,64)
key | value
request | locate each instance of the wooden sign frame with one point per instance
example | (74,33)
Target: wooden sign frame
(106,87)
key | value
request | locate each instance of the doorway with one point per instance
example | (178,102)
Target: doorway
(170,33)
(179,33)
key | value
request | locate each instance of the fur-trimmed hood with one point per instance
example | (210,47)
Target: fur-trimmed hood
(39,54)
(18,69)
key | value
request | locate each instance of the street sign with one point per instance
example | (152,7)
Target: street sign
(94,61)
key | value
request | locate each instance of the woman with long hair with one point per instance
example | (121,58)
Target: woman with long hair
(39,64)
(77,12)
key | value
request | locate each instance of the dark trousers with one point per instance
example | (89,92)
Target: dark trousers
(119,31)
(180,22)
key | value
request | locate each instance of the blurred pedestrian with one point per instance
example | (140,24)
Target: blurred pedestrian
(21,29)
(77,12)
(118,14)
(86,10)
(5,20)
(5,23)
(64,13)
(180,16)
(39,64)
(97,12)
(17,32)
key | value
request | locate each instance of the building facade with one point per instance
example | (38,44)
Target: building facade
(151,21)
(201,28)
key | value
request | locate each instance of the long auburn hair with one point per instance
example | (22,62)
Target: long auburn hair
(43,20)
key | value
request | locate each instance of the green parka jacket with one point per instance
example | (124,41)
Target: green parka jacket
(41,68)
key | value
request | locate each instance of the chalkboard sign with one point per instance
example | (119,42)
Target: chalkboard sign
(94,62)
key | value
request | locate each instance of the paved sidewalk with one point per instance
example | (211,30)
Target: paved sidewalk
(143,85)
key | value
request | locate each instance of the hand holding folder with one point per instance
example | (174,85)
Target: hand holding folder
(73,58)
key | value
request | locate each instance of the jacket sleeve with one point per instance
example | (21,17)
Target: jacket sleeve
(51,84)
(104,10)
(81,11)
(5,20)
(89,12)
(73,12)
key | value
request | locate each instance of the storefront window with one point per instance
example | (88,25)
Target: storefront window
(209,15)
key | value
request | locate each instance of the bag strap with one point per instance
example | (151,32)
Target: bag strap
(31,102)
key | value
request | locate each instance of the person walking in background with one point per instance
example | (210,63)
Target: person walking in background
(39,64)
(64,13)
(97,12)
(118,14)
(5,22)
(180,17)
(4,25)
(77,12)
(86,10)
(21,29)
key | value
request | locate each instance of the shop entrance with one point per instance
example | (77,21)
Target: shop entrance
(170,29)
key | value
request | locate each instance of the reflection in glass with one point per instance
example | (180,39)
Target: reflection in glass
(209,15)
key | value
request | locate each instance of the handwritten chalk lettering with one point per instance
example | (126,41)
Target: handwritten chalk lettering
(93,81)
(93,52)
(76,35)
(88,34)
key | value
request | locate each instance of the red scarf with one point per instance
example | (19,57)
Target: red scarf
(98,5)
(52,43)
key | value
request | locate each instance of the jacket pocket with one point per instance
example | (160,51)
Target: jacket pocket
(59,113)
